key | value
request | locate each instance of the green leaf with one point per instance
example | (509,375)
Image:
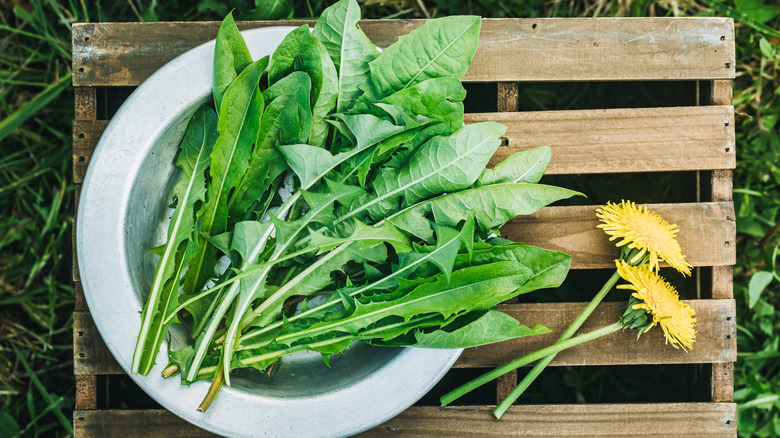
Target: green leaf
(238,129)
(471,288)
(438,98)
(326,101)
(766,49)
(8,426)
(268,10)
(287,119)
(230,156)
(24,112)
(231,57)
(440,48)
(349,48)
(315,277)
(367,236)
(758,282)
(521,167)
(311,163)
(298,51)
(444,164)
(190,191)
(493,205)
(492,326)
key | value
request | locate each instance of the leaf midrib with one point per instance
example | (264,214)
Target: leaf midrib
(412,183)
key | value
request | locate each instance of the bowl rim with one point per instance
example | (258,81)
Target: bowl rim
(143,119)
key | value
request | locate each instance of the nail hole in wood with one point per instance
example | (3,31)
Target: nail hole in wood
(727,123)
(533,26)
(728,336)
(81,135)
(86,38)
(504,141)
(723,37)
(82,159)
(80,418)
(82,355)
(728,65)
(728,318)
(728,149)
(81,69)
(80,333)
(728,421)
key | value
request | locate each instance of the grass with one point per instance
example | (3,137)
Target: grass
(36,193)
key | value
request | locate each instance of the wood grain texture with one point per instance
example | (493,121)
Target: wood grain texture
(588,141)
(570,49)
(86,392)
(508,96)
(715,337)
(592,420)
(90,354)
(722,382)
(707,233)
(716,340)
(505,384)
(85,137)
(85,103)
(147,423)
(622,140)
(602,420)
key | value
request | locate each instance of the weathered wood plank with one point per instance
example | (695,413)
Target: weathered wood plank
(558,49)
(622,140)
(707,233)
(715,322)
(148,423)
(722,383)
(85,137)
(715,337)
(90,354)
(86,392)
(85,103)
(590,141)
(603,420)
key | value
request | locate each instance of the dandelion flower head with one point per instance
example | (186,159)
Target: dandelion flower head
(661,300)
(644,230)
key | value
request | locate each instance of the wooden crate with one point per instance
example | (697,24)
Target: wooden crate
(697,138)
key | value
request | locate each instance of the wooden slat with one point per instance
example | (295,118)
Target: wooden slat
(85,137)
(591,420)
(147,423)
(707,233)
(507,99)
(622,140)
(722,377)
(85,103)
(588,141)
(715,322)
(722,382)
(715,337)
(569,49)
(86,392)
(90,354)
(602,420)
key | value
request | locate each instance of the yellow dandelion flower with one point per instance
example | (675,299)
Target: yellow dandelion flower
(662,301)
(644,230)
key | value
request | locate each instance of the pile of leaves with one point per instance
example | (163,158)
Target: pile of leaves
(351,202)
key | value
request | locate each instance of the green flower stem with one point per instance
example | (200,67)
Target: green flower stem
(525,360)
(542,364)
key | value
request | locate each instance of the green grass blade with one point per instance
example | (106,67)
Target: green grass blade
(29,109)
